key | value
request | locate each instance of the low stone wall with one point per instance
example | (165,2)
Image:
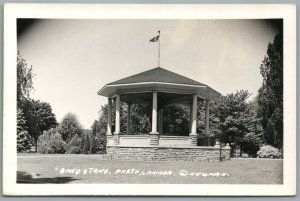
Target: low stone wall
(163,153)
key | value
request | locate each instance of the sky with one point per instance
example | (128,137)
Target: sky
(73,59)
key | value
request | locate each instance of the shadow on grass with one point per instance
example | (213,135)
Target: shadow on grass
(23,177)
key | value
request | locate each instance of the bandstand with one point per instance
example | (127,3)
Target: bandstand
(159,88)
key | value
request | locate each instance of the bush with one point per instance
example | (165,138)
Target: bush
(74,143)
(49,151)
(51,143)
(251,144)
(267,151)
(74,150)
(97,145)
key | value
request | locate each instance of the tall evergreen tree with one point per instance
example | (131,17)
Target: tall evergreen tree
(270,99)
(24,141)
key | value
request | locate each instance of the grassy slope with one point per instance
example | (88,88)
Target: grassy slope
(45,169)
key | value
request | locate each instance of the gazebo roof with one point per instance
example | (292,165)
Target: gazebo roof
(161,80)
(157,74)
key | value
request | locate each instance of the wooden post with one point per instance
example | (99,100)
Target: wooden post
(207,117)
(193,134)
(117,124)
(117,127)
(108,132)
(154,138)
(154,113)
(191,118)
(206,131)
(109,136)
(128,118)
(194,115)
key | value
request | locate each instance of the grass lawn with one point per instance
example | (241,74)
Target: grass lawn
(37,168)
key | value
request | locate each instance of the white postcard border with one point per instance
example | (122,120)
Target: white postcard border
(147,11)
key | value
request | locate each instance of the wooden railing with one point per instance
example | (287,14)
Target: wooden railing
(144,140)
(174,140)
(139,140)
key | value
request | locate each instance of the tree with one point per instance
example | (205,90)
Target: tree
(24,141)
(69,126)
(270,99)
(140,119)
(39,118)
(24,80)
(21,121)
(24,87)
(214,122)
(231,118)
(232,112)
(176,120)
(87,144)
(98,138)
(37,115)
(46,118)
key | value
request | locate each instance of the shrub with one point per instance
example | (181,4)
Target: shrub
(49,151)
(97,145)
(51,143)
(74,142)
(251,144)
(74,150)
(42,144)
(267,151)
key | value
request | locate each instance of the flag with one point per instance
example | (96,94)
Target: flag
(155,39)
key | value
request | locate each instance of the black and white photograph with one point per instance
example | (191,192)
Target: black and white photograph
(187,100)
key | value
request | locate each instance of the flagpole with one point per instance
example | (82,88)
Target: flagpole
(158,48)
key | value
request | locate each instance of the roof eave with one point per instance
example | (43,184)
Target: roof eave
(103,92)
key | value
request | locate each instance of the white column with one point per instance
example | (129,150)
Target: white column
(161,112)
(194,116)
(207,117)
(117,127)
(154,113)
(128,118)
(108,132)
(191,118)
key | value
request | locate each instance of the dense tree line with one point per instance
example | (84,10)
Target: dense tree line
(33,116)
(37,125)
(270,98)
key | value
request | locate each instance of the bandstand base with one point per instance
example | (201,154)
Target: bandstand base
(167,153)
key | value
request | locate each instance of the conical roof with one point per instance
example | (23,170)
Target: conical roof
(158,79)
(157,75)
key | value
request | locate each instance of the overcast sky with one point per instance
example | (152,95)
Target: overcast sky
(73,59)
